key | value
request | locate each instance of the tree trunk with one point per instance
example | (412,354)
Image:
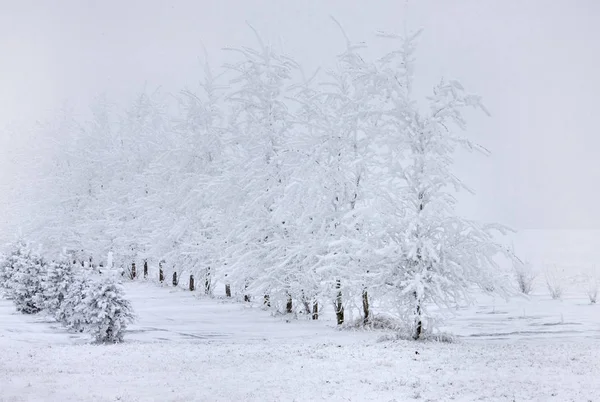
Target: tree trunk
(161,274)
(289,305)
(418,318)
(267,301)
(366,310)
(315,311)
(246,296)
(306,304)
(339,306)
(207,283)
(228,290)
(133,273)
(175,281)
(192,285)
(145,269)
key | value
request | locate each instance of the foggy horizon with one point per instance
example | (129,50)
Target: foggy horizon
(533,64)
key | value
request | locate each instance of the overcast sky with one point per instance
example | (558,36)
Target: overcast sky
(534,62)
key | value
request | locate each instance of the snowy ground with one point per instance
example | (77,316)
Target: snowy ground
(185,348)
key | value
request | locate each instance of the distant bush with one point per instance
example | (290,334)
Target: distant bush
(593,283)
(554,282)
(525,276)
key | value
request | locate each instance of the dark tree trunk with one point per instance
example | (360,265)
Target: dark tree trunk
(192,284)
(145,269)
(418,319)
(161,274)
(289,305)
(315,311)
(228,290)
(339,306)
(366,310)
(175,280)
(267,301)
(207,283)
(246,296)
(306,304)
(133,273)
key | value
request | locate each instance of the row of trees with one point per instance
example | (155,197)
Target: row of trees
(332,188)
(74,296)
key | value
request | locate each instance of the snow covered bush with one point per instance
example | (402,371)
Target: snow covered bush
(554,281)
(70,311)
(525,276)
(593,283)
(23,274)
(6,271)
(59,277)
(106,311)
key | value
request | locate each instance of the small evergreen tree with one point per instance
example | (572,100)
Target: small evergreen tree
(70,311)
(6,271)
(23,279)
(56,285)
(106,311)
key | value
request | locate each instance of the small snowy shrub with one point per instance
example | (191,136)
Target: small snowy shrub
(8,266)
(106,311)
(592,287)
(71,311)
(376,322)
(6,271)
(525,277)
(554,282)
(56,285)
(23,280)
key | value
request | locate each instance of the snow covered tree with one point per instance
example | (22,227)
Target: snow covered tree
(261,129)
(106,311)
(432,256)
(183,206)
(71,311)
(6,273)
(24,273)
(329,197)
(59,277)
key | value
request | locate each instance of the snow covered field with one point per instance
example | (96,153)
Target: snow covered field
(184,348)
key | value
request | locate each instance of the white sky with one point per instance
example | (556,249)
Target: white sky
(535,63)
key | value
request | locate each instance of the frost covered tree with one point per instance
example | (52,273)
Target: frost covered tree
(59,277)
(71,311)
(23,274)
(329,196)
(432,256)
(6,273)
(182,209)
(261,128)
(106,311)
